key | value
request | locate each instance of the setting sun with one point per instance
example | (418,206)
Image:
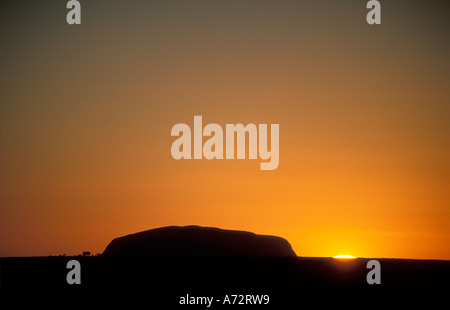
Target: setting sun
(344,256)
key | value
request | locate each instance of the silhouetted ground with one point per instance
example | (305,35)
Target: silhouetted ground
(165,280)
(161,266)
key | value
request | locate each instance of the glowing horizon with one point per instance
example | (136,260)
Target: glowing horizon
(344,256)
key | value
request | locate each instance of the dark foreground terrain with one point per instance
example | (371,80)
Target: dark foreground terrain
(166,280)
(173,265)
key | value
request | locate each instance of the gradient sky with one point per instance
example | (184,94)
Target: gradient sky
(87,110)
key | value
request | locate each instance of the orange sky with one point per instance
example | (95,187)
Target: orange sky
(86,115)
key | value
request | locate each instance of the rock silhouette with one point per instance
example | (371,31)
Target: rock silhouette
(193,241)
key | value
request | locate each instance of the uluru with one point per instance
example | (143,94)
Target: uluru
(195,241)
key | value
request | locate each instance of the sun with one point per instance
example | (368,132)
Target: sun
(344,256)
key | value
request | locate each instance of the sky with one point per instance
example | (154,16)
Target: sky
(86,113)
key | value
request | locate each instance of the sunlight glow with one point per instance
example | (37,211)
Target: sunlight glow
(344,256)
